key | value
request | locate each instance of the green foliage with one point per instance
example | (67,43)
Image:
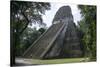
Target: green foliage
(88,26)
(23,14)
(27,38)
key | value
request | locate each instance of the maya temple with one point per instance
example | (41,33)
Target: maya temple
(61,40)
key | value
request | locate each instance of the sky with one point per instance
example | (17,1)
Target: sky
(49,15)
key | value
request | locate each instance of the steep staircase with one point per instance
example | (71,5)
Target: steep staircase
(42,44)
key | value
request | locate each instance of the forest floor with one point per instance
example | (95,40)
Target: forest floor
(24,62)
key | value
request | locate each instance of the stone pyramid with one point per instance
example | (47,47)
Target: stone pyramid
(59,41)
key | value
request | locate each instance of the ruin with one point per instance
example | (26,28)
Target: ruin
(59,41)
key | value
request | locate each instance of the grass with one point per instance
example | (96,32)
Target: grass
(58,61)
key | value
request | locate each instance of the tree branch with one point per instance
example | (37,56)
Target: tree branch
(26,23)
